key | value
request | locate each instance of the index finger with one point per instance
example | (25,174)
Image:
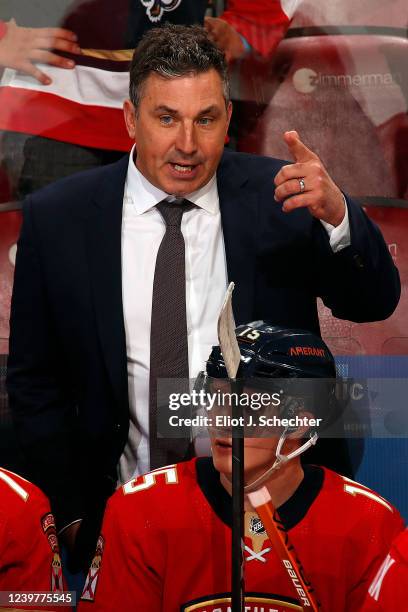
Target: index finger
(298,149)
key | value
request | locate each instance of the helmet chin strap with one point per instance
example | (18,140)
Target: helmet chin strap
(281,459)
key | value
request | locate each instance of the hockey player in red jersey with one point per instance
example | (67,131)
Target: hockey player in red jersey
(29,553)
(251,26)
(388,590)
(165,543)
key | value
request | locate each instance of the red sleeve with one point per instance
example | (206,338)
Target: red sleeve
(262,23)
(126,567)
(373,553)
(388,590)
(29,553)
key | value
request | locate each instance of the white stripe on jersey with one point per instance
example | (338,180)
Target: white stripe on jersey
(376,584)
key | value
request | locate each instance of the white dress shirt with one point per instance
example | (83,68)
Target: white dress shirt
(206,280)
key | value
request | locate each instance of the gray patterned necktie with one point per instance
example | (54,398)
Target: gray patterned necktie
(168,337)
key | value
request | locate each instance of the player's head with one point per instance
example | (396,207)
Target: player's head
(296,370)
(179,107)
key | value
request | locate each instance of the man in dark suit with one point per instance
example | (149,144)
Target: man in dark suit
(81,320)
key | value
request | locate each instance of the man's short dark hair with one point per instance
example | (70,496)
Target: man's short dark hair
(174,51)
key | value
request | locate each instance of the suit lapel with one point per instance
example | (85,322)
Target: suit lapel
(104,229)
(239,212)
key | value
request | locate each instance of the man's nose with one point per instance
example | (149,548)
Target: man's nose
(186,139)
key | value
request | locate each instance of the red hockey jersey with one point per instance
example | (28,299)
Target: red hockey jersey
(263,23)
(165,544)
(388,590)
(29,554)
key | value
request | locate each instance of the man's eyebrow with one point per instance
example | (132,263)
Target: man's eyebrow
(162,108)
(166,109)
(210,109)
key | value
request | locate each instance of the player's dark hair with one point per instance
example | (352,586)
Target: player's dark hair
(173,51)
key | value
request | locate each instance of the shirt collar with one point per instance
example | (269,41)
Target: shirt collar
(291,512)
(145,196)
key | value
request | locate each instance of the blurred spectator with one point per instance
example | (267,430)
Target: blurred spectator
(72,120)
(251,26)
(21,48)
(249,32)
(76,116)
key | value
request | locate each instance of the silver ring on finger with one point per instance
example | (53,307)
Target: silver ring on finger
(302,185)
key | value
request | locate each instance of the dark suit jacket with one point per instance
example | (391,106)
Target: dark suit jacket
(67,371)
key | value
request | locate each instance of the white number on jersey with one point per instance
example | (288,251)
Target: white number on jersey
(355,488)
(149,480)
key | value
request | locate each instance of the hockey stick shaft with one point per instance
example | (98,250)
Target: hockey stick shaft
(237,569)
(237,552)
(261,501)
(232,356)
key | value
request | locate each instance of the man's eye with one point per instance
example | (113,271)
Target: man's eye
(166,119)
(205,120)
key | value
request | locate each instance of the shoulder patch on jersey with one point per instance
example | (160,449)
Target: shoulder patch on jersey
(47,522)
(48,527)
(57,585)
(89,590)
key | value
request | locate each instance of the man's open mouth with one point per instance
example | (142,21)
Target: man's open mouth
(183,168)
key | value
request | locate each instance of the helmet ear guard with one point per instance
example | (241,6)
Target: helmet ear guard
(295,405)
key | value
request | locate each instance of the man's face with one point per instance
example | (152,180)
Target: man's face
(259,453)
(179,128)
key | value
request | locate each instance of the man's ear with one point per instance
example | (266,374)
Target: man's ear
(229,113)
(130,118)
